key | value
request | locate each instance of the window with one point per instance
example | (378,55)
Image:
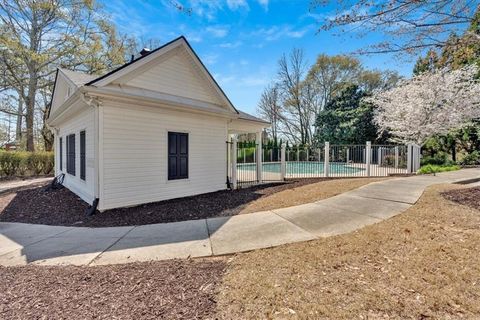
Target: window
(61,153)
(177,155)
(71,154)
(82,155)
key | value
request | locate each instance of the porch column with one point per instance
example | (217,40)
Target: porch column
(259,156)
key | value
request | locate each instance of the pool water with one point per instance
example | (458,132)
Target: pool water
(302,167)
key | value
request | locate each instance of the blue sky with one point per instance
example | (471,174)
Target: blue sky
(240,41)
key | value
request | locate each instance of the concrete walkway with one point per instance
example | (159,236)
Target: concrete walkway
(50,245)
(15,184)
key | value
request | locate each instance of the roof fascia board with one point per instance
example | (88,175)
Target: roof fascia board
(160,99)
(67,78)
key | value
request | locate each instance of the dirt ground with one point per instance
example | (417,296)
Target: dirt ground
(422,264)
(62,207)
(158,290)
(469,197)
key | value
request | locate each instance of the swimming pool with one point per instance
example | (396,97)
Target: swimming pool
(302,167)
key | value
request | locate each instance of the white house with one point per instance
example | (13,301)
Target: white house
(153,129)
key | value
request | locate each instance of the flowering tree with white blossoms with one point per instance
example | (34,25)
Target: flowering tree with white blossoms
(428,104)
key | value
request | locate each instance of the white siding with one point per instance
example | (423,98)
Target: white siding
(61,93)
(83,121)
(135,154)
(177,76)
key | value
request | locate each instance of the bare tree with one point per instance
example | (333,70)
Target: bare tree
(409,25)
(291,73)
(38,36)
(269,108)
(329,73)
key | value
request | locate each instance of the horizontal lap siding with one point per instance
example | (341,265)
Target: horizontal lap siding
(83,121)
(176,76)
(135,154)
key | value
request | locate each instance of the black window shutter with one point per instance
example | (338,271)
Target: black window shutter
(61,154)
(82,155)
(71,154)
(177,155)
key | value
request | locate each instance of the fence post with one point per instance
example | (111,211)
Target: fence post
(234,162)
(348,154)
(326,163)
(259,156)
(396,157)
(379,156)
(283,163)
(368,156)
(409,158)
(416,158)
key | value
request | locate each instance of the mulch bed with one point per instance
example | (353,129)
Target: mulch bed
(62,207)
(469,197)
(153,290)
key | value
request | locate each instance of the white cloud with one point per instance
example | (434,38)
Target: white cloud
(230,45)
(205,8)
(223,80)
(264,4)
(277,32)
(192,37)
(237,4)
(217,31)
(210,59)
(255,81)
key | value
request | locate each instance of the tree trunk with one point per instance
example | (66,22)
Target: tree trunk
(47,137)
(46,132)
(454,151)
(30,104)
(18,131)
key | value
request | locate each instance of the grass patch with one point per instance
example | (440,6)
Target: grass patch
(421,264)
(433,168)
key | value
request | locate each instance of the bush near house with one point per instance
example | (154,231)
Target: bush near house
(433,168)
(20,163)
(439,159)
(471,159)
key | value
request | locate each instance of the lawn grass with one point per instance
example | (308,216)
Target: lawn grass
(421,264)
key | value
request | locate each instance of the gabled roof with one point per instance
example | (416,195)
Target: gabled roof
(78,78)
(84,81)
(132,65)
(247,116)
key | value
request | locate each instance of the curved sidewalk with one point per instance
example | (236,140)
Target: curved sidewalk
(54,245)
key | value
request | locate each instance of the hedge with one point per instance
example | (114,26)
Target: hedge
(433,168)
(22,163)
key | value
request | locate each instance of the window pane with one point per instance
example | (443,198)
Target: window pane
(82,155)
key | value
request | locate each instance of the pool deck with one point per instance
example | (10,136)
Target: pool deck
(22,244)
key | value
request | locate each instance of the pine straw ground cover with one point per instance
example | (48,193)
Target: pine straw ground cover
(422,264)
(156,290)
(63,207)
